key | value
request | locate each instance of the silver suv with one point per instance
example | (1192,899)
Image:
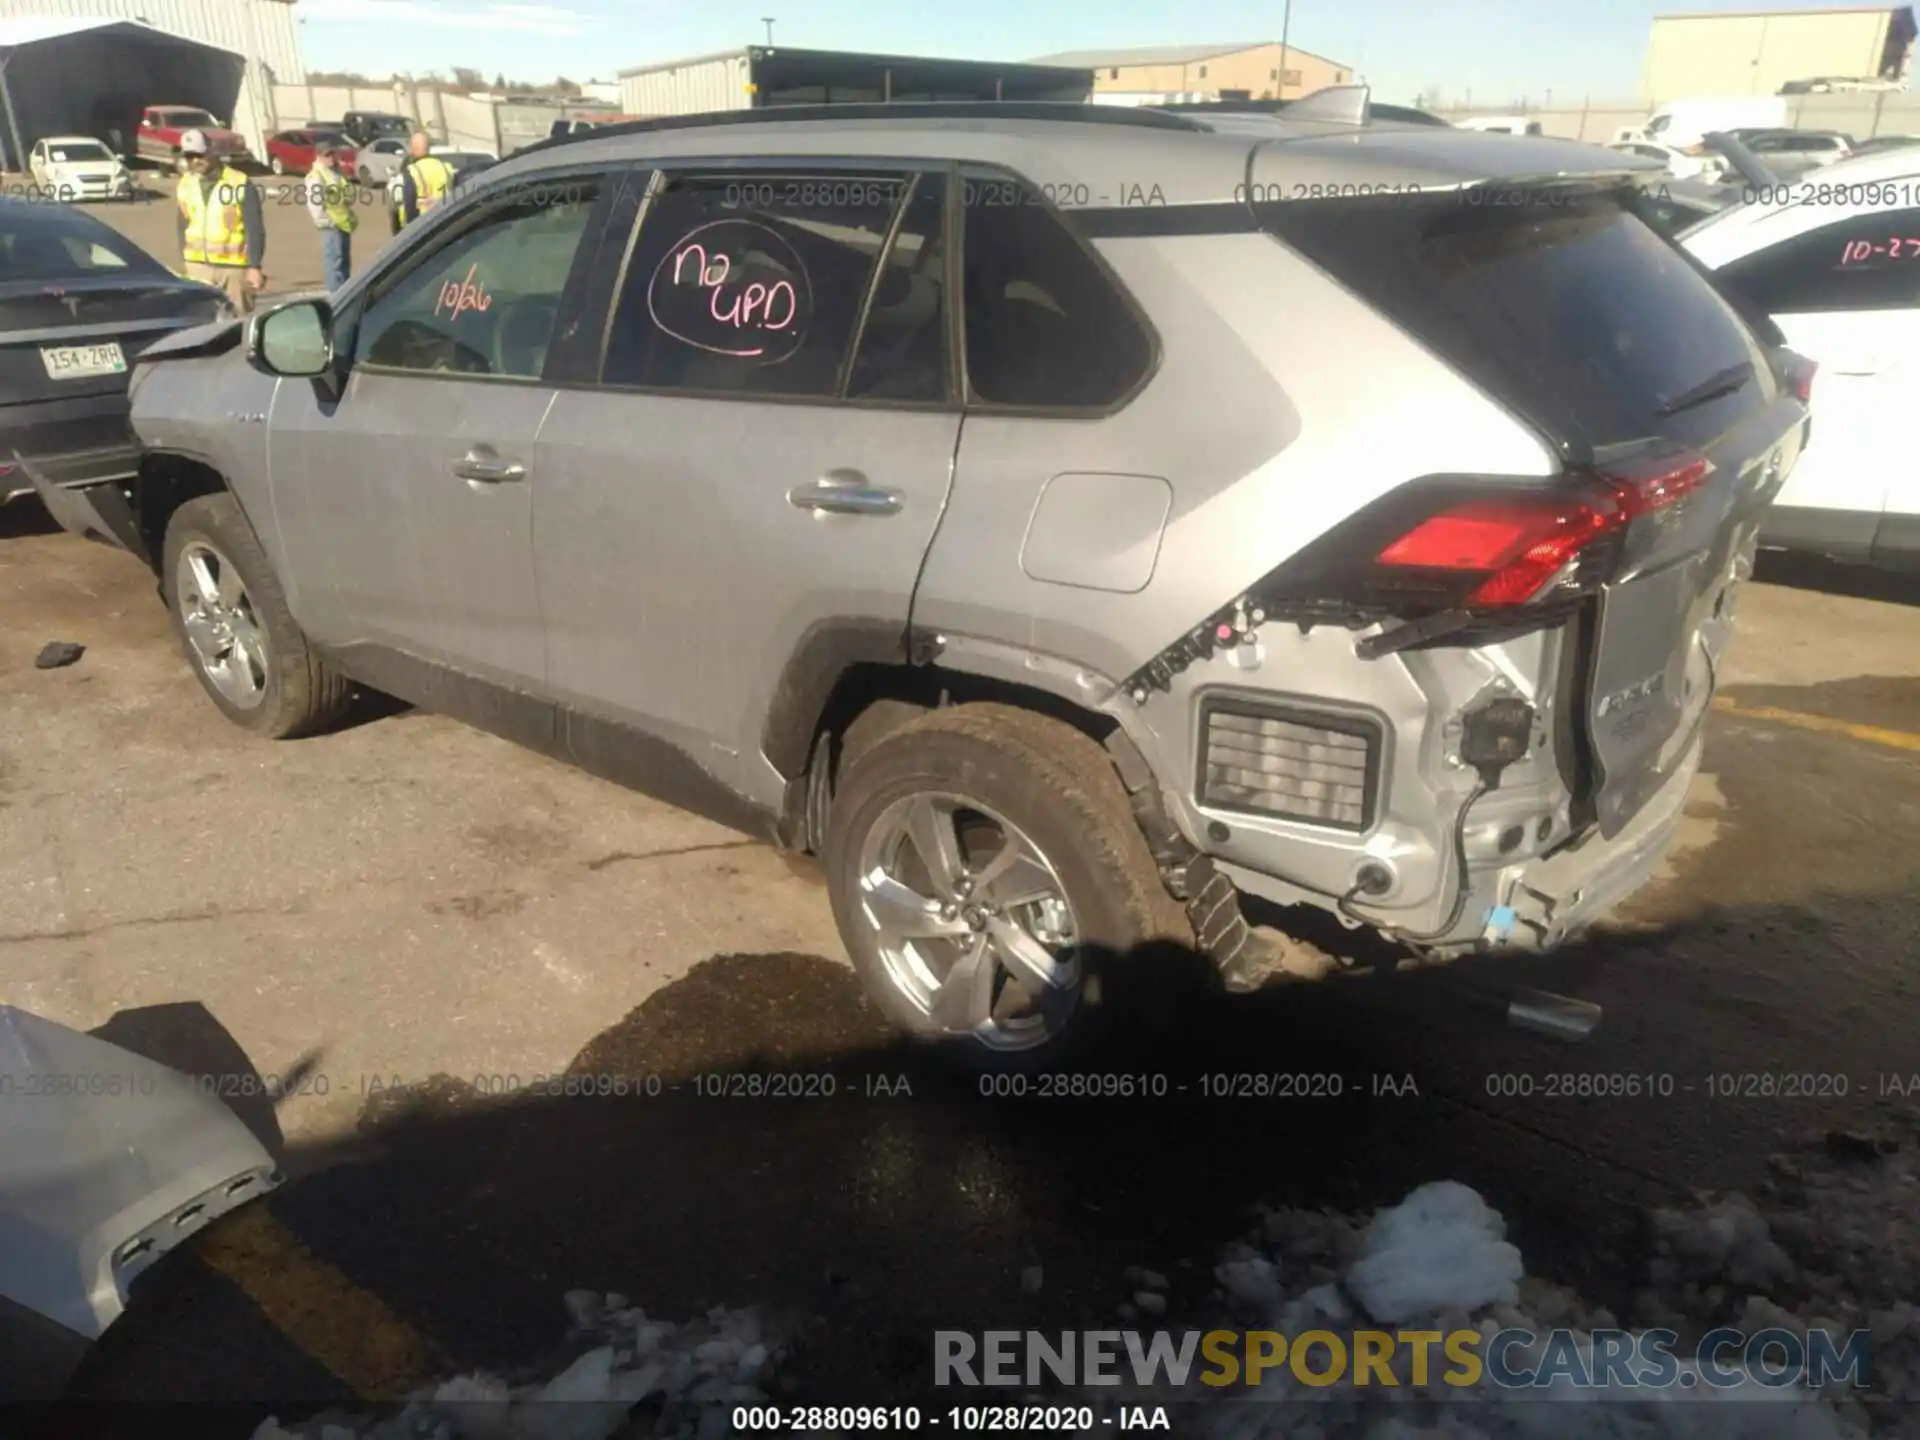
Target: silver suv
(1061,520)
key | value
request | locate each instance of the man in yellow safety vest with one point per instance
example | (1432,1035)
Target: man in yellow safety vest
(223,239)
(425,181)
(330,205)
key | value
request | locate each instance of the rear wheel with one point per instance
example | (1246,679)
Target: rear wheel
(233,622)
(993,889)
(277,165)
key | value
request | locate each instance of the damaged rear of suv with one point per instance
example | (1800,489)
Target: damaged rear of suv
(1439,585)
(1062,520)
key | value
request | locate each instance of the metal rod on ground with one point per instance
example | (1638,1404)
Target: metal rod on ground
(1557,1017)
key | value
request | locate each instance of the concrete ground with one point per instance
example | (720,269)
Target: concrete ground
(399,914)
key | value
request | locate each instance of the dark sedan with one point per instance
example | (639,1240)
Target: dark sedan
(78,303)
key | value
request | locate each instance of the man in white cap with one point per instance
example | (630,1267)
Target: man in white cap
(330,206)
(223,237)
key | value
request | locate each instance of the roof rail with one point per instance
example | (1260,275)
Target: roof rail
(1070,111)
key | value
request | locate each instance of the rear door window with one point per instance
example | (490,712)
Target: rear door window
(1568,308)
(1864,262)
(786,283)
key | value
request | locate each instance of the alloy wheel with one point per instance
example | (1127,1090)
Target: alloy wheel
(228,642)
(971,920)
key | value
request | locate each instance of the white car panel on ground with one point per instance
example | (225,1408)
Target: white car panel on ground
(1834,258)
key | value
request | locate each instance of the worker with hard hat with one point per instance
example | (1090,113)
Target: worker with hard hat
(223,237)
(425,181)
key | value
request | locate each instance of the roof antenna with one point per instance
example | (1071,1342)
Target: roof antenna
(1341,104)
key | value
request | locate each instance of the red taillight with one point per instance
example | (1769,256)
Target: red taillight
(1516,547)
(1511,550)
(1799,376)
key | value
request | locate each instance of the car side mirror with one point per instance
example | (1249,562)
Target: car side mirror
(295,339)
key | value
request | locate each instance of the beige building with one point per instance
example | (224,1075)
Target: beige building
(1250,71)
(1755,52)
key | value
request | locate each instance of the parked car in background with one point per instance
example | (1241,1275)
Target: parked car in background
(1880,143)
(377,161)
(1842,281)
(1683,124)
(363,127)
(1500,124)
(161,127)
(291,151)
(1840,84)
(1678,163)
(1069,619)
(1794,152)
(581,124)
(79,302)
(78,167)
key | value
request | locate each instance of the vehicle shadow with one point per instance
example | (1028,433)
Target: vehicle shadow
(753,1134)
(25,516)
(1816,572)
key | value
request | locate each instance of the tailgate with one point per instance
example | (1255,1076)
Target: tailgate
(1560,302)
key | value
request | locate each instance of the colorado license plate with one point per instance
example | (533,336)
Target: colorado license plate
(71,362)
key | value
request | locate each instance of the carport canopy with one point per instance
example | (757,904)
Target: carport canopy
(75,75)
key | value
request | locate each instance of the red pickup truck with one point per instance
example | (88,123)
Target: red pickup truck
(161,127)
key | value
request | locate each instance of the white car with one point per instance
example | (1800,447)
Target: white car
(1680,165)
(78,167)
(378,161)
(1499,125)
(1841,279)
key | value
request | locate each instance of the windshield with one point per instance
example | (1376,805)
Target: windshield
(78,150)
(191,118)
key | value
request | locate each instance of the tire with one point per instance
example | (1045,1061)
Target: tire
(991,767)
(277,166)
(275,684)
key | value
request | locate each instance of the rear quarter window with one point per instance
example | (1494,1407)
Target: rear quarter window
(1569,309)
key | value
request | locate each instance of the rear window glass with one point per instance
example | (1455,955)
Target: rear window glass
(1569,309)
(45,244)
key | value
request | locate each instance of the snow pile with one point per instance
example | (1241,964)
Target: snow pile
(1440,1261)
(1443,1248)
(640,1377)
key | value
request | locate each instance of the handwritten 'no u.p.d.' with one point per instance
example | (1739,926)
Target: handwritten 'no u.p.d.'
(729,318)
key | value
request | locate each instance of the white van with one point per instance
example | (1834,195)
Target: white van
(1685,123)
(1500,124)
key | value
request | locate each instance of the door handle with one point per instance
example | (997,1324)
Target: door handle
(844,492)
(484,466)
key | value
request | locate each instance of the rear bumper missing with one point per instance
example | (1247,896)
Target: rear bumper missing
(1550,899)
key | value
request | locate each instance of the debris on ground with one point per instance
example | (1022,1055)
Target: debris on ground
(56,653)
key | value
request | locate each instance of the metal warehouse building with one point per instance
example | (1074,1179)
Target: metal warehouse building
(761,75)
(89,66)
(1250,70)
(1755,52)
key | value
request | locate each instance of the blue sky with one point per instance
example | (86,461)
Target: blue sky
(1498,50)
